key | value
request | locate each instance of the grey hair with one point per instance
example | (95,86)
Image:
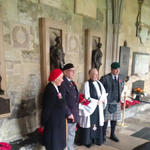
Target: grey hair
(92,70)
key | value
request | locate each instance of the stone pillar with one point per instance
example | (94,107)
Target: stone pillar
(116,17)
(109,36)
(114,9)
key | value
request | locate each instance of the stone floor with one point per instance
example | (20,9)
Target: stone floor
(140,119)
(127,142)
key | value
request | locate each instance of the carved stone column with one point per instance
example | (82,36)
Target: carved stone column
(114,9)
(116,17)
(109,36)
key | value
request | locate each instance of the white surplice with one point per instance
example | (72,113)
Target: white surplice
(86,111)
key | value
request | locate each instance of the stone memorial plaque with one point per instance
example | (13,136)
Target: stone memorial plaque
(21,36)
(86,7)
(54,3)
(34,1)
(138,84)
(140,64)
(73,44)
(124,60)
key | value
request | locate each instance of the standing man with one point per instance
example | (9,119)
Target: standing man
(71,96)
(92,113)
(113,84)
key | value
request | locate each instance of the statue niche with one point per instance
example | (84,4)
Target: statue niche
(57,54)
(97,55)
(1,91)
(4,102)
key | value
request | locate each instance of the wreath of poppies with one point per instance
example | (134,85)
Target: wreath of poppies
(83,101)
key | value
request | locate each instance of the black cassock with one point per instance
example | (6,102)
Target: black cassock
(94,134)
(53,119)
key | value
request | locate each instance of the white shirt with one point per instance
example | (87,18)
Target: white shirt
(113,76)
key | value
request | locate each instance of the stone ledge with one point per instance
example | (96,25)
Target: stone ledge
(133,110)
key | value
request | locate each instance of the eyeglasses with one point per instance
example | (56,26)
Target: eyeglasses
(71,70)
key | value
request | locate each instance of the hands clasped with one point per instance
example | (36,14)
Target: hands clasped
(100,102)
(71,117)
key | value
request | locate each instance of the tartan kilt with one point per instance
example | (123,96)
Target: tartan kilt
(114,116)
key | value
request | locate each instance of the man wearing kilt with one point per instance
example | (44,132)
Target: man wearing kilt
(113,84)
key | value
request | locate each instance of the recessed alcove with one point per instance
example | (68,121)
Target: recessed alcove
(47,29)
(4,100)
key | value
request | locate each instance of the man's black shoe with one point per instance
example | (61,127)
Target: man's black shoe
(104,139)
(114,138)
(89,145)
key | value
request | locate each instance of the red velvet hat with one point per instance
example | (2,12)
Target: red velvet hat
(54,74)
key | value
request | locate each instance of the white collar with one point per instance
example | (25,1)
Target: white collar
(68,79)
(113,76)
(56,87)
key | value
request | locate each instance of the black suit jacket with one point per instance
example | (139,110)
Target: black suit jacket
(107,82)
(71,96)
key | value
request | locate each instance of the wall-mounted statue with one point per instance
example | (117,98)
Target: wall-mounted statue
(57,54)
(1,91)
(97,55)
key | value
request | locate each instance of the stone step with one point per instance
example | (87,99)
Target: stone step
(133,110)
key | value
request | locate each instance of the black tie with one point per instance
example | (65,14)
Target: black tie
(115,78)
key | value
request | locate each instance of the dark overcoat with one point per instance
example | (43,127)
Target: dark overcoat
(109,86)
(71,96)
(53,119)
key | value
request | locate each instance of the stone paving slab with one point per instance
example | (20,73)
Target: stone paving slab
(94,147)
(126,142)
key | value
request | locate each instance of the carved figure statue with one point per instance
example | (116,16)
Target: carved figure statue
(1,91)
(138,20)
(57,54)
(97,55)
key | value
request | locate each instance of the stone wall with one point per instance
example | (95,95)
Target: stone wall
(22,54)
(22,51)
(128,33)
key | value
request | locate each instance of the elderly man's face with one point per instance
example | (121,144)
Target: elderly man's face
(115,71)
(69,73)
(94,75)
